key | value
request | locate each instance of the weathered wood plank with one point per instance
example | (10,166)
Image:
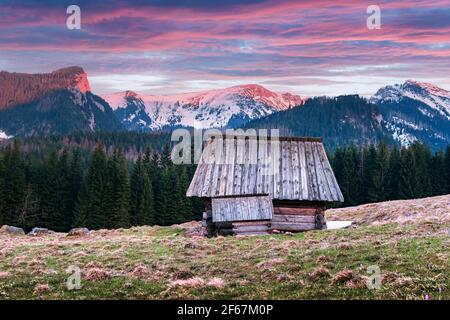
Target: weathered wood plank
(303,172)
(217,172)
(251,228)
(293,218)
(337,194)
(328,185)
(285,163)
(294,211)
(208,160)
(268,178)
(290,181)
(231,154)
(251,233)
(224,173)
(251,223)
(245,169)
(242,208)
(288,226)
(276,154)
(260,167)
(312,180)
(324,191)
(239,165)
(252,166)
(295,171)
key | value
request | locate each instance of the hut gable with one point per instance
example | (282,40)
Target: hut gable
(285,169)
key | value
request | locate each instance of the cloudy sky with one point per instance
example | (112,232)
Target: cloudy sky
(167,46)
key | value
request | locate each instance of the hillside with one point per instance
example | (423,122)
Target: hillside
(426,210)
(340,121)
(171,262)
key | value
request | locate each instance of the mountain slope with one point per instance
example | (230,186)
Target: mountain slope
(55,103)
(415,111)
(339,121)
(228,107)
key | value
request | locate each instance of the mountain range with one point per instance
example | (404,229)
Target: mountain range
(61,102)
(220,108)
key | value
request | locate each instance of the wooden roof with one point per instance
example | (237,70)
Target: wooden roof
(242,209)
(285,169)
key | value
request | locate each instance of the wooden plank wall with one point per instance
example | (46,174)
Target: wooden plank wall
(242,209)
(257,227)
(297,216)
(300,170)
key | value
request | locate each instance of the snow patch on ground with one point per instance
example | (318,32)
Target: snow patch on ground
(3,135)
(332,225)
(78,97)
(404,138)
(92,122)
(99,106)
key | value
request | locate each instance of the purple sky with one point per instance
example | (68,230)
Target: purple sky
(305,47)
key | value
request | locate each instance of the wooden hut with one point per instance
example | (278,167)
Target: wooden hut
(256,185)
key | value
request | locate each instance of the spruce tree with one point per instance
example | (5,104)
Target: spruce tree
(346,171)
(185,206)
(92,204)
(75,181)
(437,174)
(446,172)
(166,160)
(142,207)
(51,189)
(155,170)
(393,176)
(2,174)
(28,212)
(422,160)
(407,175)
(13,184)
(120,191)
(166,203)
(379,176)
(65,196)
(369,171)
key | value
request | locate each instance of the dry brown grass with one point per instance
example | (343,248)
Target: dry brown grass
(433,209)
(171,262)
(320,272)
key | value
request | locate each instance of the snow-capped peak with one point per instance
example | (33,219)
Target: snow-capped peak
(415,111)
(434,97)
(431,88)
(205,109)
